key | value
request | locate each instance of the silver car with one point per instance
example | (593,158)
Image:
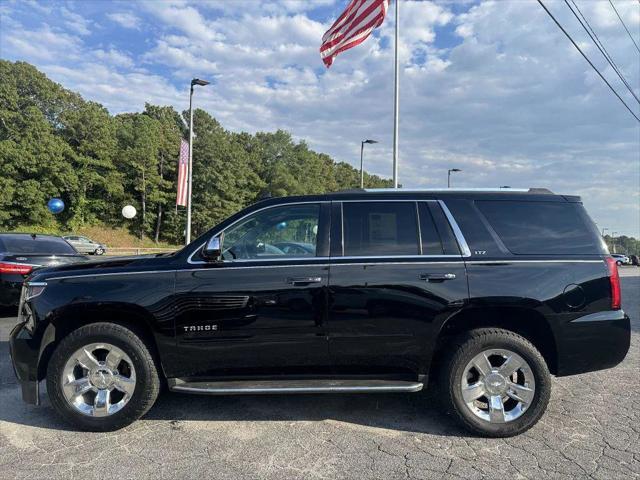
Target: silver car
(86,245)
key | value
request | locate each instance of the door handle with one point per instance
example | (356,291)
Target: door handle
(301,281)
(437,277)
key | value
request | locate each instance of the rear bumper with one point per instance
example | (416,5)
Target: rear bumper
(593,342)
(24,350)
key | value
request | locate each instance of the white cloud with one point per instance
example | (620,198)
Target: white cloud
(29,44)
(76,22)
(114,57)
(125,19)
(186,19)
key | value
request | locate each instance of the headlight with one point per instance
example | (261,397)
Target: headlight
(34,289)
(30,290)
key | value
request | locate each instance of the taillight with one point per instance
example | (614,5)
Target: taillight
(15,268)
(614,280)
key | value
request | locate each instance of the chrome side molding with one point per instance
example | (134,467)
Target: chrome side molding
(258,387)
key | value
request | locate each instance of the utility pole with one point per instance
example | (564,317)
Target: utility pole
(202,83)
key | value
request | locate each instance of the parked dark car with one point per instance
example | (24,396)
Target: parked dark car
(487,293)
(21,253)
(634,259)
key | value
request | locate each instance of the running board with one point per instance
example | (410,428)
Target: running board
(254,387)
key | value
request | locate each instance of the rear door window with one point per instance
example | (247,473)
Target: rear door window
(437,236)
(539,228)
(380,228)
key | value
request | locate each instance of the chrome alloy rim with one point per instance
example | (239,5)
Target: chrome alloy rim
(498,386)
(98,380)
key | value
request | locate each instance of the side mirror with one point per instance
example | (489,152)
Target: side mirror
(212,250)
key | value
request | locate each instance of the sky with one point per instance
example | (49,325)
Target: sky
(490,87)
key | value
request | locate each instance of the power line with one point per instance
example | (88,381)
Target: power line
(589,61)
(623,24)
(601,47)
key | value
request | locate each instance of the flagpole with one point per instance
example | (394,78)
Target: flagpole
(396,100)
(202,83)
(187,239)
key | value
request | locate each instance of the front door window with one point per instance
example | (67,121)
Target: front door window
(288,231)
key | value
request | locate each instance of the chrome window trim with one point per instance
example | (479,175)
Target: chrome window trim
(407,257)
(326,264)
(286,204)
(420,248)
(462,242)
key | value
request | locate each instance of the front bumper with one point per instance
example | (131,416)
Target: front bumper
(25,351)
(593,342)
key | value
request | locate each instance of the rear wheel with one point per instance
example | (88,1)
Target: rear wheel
(102,377)
(497,383)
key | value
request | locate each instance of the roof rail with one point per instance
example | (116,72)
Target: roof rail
(499,189)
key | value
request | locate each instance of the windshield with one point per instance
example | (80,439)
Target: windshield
(27,245)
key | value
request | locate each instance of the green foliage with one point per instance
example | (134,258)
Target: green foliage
(53,143)
(623,244)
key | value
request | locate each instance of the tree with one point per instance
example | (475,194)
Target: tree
(53,143)
(172,129)
(223,178)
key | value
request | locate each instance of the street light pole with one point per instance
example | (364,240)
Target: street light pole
(449,175)
(361,160)
(613,241)
(202,83)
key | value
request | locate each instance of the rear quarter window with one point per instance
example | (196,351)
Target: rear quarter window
(542,228)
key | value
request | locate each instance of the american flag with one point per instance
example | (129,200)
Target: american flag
(183,173)
(352,27)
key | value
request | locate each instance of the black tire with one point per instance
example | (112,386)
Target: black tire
(468,346)
(99,251)
(619,263)
(147,379)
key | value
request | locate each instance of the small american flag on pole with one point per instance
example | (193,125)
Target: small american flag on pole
(352,27)
(183,173)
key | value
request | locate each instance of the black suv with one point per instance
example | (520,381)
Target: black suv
(486,293)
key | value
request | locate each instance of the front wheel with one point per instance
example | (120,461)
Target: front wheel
(99,251)
(497,383)
(102,377)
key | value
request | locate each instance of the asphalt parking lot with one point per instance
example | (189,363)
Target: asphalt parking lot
(591,430)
